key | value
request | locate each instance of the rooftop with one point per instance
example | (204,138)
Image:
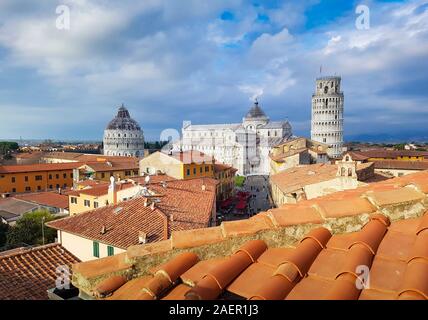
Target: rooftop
(16,206)
(50,199)
(26,274)
(123,121)
(179,205)
(113,165)
(192,156)
(383,153)
(401,165)
(296,178)
(39,167)
(309,250)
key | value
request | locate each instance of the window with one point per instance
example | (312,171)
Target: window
(87,203)
(64,175)
(207,168)
(50,186)
(110,251)
(200,169)
(39,188)
(50,177)
(57,186)
(96,249)
(57,176)
(188,172)
(194,170)
(13,189)
(73,200)
(26,178)
(38,178)
(13,179)
(103,175)
(127,173)
(95,204)
(27,188)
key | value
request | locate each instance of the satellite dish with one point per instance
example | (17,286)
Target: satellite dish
(147,179)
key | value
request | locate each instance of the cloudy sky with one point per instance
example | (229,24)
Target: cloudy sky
(204,61)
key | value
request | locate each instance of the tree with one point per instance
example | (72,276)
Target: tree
(28,229)
(4,227)
(400,146)
(7,146)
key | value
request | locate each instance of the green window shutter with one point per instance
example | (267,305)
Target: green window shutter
(96,249)
(110,251)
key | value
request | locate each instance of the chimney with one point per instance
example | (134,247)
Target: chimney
(59,190)
(112,193)
(152,206)
(103,230)
(171,218)
(142,237)
(204,187)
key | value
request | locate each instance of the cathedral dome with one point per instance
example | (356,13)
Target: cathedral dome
(123,121)
(255,112)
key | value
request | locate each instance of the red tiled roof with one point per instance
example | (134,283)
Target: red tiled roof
(51,199)
(182,205)
(401,165)
(113,166)
(319,267)
(188,157)
(102,189)
(382,153)
(26,274)
(39,167)
(288,253)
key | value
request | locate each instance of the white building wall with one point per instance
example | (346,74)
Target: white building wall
(81,247)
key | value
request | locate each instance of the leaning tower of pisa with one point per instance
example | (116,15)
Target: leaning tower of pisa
(327,114)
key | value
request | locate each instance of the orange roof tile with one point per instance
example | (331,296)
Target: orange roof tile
(27,274)
(307,261)
(51,199)
(181,205)
(39,167)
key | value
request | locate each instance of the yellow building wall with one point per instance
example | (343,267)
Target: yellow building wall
(49,180)
(193,170)
(79,207)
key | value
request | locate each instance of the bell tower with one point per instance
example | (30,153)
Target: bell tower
(327,114)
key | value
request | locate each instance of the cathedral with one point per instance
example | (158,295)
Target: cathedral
(245,146)
(123,136)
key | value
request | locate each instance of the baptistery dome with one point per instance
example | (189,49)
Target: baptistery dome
(123,136)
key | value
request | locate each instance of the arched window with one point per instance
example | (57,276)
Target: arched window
(342,171)
(350,172)
(326,89)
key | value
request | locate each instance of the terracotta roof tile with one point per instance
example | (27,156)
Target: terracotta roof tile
(319,266)
(290,215)
(196,237)
(310,288)
(39,167)
(387,275)
(384,198)
(182,205)
(273,257)
(178,293)
(396,245)
(51,199)
(416,279)
(250,280)
(108,286)
(349,207)
(130,290)
(249,226)
(198,271)
(27,274)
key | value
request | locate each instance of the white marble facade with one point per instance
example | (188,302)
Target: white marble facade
(123,136)
(245,146)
